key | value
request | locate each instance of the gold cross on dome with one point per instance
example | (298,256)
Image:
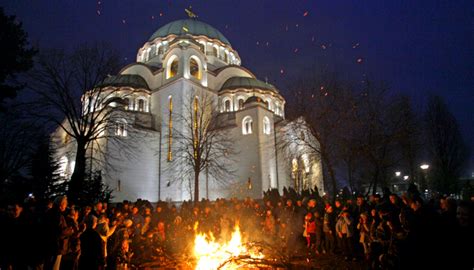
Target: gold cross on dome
(190,13)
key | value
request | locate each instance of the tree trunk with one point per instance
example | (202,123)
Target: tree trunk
(333,182)
(349,176)
(332,175)
(78,176)
(196,186)
(376,177)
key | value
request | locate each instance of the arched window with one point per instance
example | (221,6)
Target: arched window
(152,52)
(172,67)
(294,165)
(277,108)
(241,103)
(195,67)
(227,106)
(66,138)
(126,101)
(160,49)
(141,105)
(269,104)
(226,57)
(306,165)
(247,125)
(214,50)
(266,125)
(121,128)
(170,128)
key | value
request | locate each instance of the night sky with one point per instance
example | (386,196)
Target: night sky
(417,47)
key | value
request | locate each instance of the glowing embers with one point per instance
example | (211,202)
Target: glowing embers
(211,254)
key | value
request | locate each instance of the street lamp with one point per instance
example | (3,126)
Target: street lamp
(397,174)
(424,166)
(406,177)
(424,183)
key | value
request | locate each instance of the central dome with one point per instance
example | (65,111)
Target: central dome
(191,27)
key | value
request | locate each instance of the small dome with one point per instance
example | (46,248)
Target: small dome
(247,83)
(191,27)
(131,80)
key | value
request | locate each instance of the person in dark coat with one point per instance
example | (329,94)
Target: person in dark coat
(15,237)
(92,255)
(57,233)
(329,229)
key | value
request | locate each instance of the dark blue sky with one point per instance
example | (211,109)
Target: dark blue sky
(417,47)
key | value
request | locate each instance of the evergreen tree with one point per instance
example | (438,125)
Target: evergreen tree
(17,56)
(44,170)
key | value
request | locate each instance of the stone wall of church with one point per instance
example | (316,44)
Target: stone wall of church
(133,172)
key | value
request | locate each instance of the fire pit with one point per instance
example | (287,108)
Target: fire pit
(211,254)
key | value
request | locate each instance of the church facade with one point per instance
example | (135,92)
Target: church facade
(181,59)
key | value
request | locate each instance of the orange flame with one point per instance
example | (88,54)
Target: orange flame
(211,255)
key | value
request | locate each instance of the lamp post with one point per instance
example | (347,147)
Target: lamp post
(424,181)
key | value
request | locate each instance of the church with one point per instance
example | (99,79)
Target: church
(183,59)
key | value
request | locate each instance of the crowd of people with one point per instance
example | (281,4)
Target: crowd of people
(381,232)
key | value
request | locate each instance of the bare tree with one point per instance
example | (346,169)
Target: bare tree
(202,142)
(358,129)
(67,95)
(446,147)
(318,101)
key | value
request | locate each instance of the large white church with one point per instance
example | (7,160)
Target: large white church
(180,59)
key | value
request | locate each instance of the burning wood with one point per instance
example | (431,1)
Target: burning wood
(211,254)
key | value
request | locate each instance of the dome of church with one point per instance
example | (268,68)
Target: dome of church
(130,80)
(191,27)
(247,83)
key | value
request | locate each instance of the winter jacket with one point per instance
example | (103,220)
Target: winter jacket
(344,226)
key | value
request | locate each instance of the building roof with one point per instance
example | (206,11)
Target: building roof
(191,27)
(131,80)
(247,83)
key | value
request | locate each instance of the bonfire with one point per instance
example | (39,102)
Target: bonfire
(210,254)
